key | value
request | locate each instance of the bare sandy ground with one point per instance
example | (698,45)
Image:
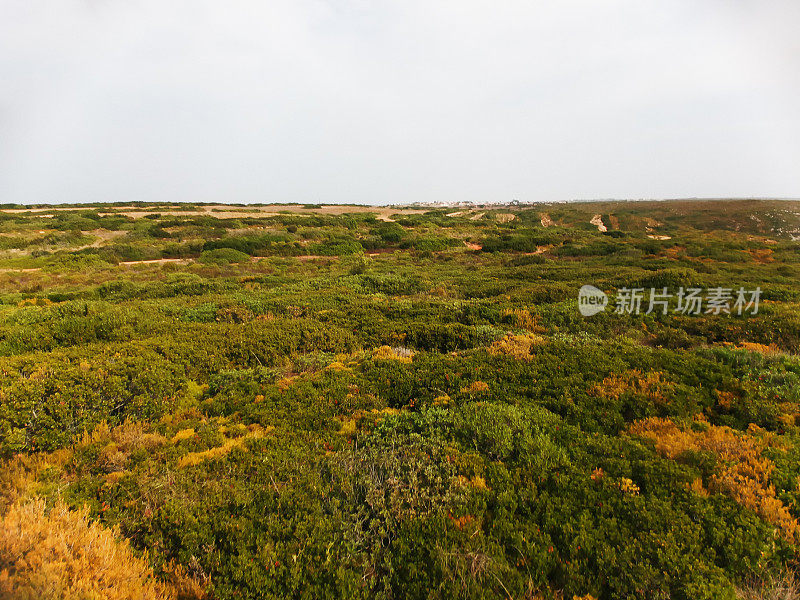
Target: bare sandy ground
(102,236)
(539,250)
(598,221)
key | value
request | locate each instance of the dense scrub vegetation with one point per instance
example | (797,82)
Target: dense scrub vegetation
(270,402)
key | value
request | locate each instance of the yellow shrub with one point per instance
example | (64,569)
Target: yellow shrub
(34,302)
(762,348)
(476,482)
(286,382)
(476,387)
(402,355)
(128,436)
(479,483)
(195,458)
(337,366)
(517,346)
(650,385)
(119,442)
(115,476)
(628,487)
(697,487)
(349,427)
(523,319)
(111,458)
(183,434)
(744,472)
(380,414)
(726,399)
(61,555)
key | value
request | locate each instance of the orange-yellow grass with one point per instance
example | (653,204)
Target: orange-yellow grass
(651,385)
(183,434)
(195,458)
(476,387)
(387,353)
(61,554)
(517,346)
(744,471)
(523,319)
(762,348)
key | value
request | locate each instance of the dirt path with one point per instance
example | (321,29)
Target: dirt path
(317,257)
(156,261)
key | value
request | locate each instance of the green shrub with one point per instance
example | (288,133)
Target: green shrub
(223,256)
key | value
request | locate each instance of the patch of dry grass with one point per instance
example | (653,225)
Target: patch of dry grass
(403,355)
(195,458)
(744,472)
(517,346)
(59,554)
(784,586)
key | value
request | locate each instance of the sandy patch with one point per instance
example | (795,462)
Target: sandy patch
(102,235)
(597,220)
(546,220)
(539,250)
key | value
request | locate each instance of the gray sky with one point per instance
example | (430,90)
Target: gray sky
(397,101)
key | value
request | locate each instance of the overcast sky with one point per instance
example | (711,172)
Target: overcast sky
(398,101)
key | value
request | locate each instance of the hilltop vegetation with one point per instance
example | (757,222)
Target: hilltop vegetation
(283,401)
